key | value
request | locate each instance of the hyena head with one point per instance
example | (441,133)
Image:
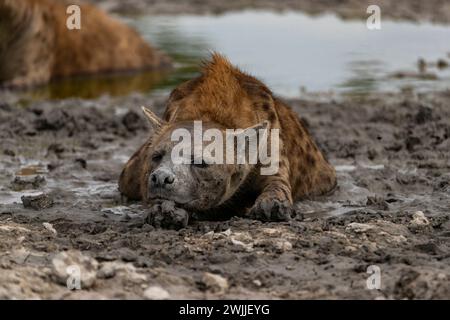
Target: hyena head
(186,162)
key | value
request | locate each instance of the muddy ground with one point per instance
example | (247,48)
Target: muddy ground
(437,11)
(391,208)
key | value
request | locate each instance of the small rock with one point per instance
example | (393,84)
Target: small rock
(257,283)
(127,255)
(107,270)
(359,227)
(419,223)
(350,249)
(50,228)
(215,282)
(283,246)
(272,232)
(127,271)
(209,234)
(226,233)
(246,247)
(420,219)
(20,255)
(156,293)
(14,229)
(67,265)
(38,202)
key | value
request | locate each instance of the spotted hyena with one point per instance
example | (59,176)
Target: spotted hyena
(224,97)
(36,45)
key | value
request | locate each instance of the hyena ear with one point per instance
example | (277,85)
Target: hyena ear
(154,120)
(253,130)
(261,126)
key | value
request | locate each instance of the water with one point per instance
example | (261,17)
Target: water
(291,52)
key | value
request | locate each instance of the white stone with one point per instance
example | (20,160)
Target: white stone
(419,219)
(215,282)
(359,227)
(257,283)
(227,232)
(156,293)
(283,246)
(246,247)
(50,228)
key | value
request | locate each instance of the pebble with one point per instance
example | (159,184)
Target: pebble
(38,202)
(272,232)
(215,282)
(127,271)
(420,219)
(283,246)
(156,293)
(50,228)
(419,223)
(246,247)
(257,283)
(359,227)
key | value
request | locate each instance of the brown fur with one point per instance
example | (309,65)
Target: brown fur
(229,98)
(36,45)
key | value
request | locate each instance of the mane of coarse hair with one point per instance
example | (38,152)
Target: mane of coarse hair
(219,75)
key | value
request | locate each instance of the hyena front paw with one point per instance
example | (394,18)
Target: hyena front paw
(166,215)
(271,209)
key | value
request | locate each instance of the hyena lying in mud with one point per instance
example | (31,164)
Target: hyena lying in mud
(224,97)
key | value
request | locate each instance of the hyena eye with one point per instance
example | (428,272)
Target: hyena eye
(157,157)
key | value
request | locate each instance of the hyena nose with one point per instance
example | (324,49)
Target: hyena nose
(161,178)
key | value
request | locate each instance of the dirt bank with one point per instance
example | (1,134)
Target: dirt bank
(392,156)
(412,10)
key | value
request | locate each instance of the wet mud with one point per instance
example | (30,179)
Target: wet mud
(59,208)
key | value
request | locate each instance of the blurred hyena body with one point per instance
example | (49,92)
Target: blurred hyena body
(223,97)
(36,45)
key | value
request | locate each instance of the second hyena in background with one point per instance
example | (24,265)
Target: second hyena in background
(36,45)
(224,97)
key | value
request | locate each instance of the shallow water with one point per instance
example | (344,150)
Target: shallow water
(291,52)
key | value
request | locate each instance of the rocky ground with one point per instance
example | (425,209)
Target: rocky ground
(437,11)
(61,214)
